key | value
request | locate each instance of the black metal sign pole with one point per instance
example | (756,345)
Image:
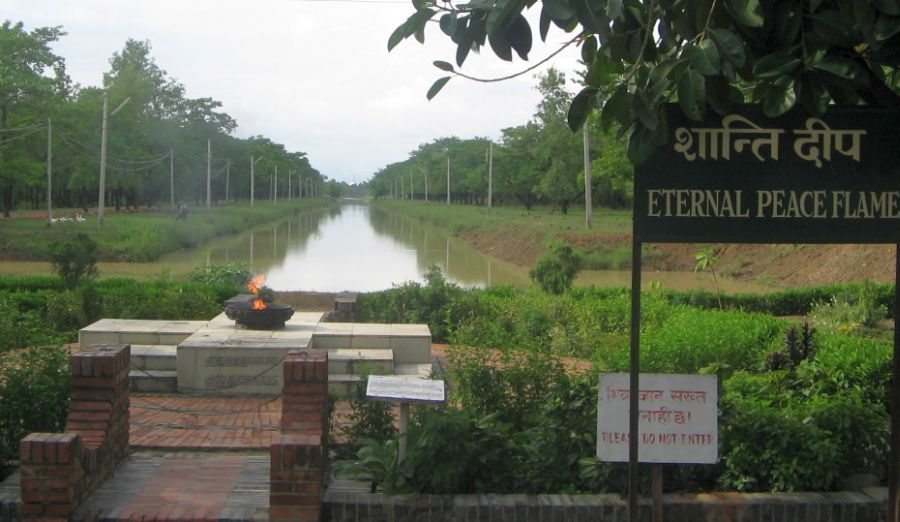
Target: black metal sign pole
(634,478)
(893,472)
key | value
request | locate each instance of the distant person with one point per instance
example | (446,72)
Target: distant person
(182,212)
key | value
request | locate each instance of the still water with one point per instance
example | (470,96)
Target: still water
(358,247)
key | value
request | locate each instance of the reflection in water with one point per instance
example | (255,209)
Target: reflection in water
(357,247)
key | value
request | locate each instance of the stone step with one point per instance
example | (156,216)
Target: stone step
(342,384)
(359,361)
(420,370)
(134,331)
(153,356)
(153,381)
(411,343)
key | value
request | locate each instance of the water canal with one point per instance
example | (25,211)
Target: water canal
(355,246)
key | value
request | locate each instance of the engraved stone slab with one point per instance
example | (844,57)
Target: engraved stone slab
(404,389)
(237,362)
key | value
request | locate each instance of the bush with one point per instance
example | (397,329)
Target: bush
(412,302)
(74,259)
(233,273)
(370,420)
(691,339)
(34,395)
(779,434)
(555,270)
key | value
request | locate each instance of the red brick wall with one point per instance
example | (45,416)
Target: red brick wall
(298,453)
(60,469)
(52,475)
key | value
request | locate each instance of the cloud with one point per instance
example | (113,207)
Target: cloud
(315,76)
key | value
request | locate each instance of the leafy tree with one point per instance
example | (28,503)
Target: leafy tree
(30,73)
(612,179)
(700,53)
(558,152)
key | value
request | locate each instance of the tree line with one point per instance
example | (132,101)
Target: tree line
(157,127)
(538,163)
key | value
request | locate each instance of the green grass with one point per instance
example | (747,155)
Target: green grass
(142,236)
(461,218)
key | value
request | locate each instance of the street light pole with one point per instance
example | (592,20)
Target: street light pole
(252,177)
(103,132)
(490,175)
(208,171)
(49,175)
(448,178)
(172,177)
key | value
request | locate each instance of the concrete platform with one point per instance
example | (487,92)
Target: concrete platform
(219,357)
(134,331)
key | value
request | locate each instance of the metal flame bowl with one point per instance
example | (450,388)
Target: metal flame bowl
(240,309)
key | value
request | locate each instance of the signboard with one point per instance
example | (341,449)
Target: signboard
(746,178)
(404,389)
(678,418)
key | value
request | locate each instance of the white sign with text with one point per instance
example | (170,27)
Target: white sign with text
(404,389)
(678,419)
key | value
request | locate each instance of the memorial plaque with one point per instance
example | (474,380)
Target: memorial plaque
(404,389)
(678,420)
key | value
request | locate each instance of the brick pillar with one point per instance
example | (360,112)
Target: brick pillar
(298,453)
(304,400)
(52,475)
(98,410)
(296,477)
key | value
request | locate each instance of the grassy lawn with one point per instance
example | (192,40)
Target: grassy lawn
(145,235)
(463,218)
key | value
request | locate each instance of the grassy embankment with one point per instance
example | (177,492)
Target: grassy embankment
(142,236)
(521,236)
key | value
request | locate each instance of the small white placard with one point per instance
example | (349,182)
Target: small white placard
(678,420)
(404,389)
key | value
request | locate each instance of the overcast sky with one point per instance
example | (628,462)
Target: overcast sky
(314,75)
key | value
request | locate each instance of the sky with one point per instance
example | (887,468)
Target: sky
(314,75)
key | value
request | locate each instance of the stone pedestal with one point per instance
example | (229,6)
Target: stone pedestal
(227,360)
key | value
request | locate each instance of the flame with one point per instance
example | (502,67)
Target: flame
(258,304)
(256,283)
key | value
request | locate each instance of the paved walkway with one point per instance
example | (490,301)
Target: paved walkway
(155,485)
(203,423)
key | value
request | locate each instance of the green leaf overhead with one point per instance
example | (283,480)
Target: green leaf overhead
(437,86)
(444,66)
(704,57)
(692,94)
(701,53)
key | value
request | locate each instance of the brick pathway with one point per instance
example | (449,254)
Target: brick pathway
(203,423)
(184,422)
(154,485)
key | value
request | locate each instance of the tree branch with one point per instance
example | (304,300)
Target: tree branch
(520,73)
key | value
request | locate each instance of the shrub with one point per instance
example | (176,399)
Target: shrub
(34,395)
(233,273)
(555,270)
(413,302)
(369,419)
(74,259)
(779,434)
(691,339)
